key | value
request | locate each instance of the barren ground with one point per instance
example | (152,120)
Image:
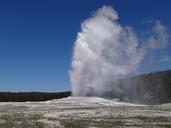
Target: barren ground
(81,112)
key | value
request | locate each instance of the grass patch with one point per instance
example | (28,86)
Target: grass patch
(20,121)
(138,121)
(164,122)
(89,123)
(153,119)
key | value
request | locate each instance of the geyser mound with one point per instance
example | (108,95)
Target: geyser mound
(106,51)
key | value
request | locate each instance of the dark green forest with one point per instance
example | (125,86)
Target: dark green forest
(31,96)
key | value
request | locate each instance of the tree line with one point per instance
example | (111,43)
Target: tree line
(31,96)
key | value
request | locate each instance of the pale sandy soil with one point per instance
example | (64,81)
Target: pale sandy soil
(83,112)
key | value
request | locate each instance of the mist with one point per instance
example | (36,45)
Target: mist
(106,51)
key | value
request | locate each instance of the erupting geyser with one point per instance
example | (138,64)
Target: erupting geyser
(105,51)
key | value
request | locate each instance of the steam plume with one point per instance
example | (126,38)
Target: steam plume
(105,51)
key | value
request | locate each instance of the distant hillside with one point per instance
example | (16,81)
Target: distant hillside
(152,88)
(31,96)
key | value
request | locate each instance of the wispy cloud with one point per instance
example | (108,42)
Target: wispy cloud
(165,59)
(159,37)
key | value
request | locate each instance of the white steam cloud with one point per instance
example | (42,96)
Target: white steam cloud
(105,51)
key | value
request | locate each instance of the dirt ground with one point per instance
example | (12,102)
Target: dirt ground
(83,112)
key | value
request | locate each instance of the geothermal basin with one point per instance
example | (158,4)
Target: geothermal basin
(83,112)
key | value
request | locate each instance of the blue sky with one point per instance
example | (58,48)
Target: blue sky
(37,37)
